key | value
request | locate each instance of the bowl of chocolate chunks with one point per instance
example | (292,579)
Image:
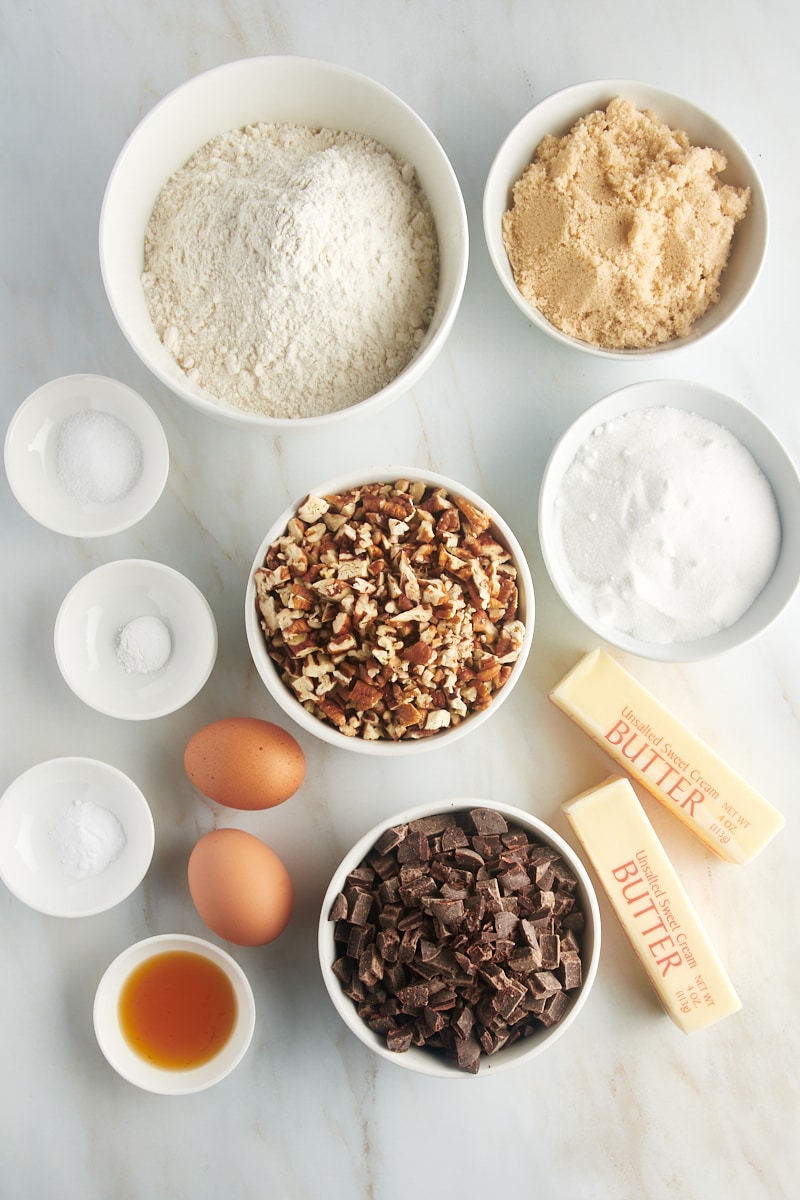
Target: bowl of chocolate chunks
(459,937)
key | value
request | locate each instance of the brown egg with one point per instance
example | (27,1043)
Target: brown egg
(240,888)
(246,763)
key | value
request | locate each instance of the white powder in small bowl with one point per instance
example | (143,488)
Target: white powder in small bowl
(144,645)
(98,457)
(86,839)
(666,526)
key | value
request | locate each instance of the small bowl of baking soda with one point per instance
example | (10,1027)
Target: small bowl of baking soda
(135,639)
(668,521)
(76,837)
(86,456)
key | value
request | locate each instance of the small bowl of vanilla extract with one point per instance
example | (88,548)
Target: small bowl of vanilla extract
(174,1014)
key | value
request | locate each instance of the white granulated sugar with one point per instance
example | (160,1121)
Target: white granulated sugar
(290,271)
(667,527)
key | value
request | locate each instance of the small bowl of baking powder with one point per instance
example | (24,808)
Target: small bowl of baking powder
(668,521)
(135,639)
(327,234)
(76,837)
(623,220)
(86,456)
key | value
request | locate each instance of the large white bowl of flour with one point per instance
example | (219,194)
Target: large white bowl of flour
(301,297)
(668,521)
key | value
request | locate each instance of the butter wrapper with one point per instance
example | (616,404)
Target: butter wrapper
(652,905)
(667,758)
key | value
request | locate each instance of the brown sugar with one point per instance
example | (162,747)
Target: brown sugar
(619,232)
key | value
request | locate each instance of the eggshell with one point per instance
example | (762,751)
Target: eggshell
(245,763)
(240,888)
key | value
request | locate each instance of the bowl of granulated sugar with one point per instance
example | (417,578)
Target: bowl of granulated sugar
(328,240)
(668,521)
(624,220)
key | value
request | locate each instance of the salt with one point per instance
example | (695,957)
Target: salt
(86,839)
(144,645)
(98,457)
(667,528)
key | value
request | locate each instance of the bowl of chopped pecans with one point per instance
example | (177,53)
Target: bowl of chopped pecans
(390,612)
(459,937)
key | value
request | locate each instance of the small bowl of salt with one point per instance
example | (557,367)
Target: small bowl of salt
(76,837)
(86,456)
(668,521)
(135,639)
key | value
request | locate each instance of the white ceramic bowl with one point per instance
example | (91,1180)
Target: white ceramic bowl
(430,1062)
(769,455)
(100,605)
(556,115)
(138,1070)
(31,857)
(286,698)
(32,456)
(270,89)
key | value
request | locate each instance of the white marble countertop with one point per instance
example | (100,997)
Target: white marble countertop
(625,1106)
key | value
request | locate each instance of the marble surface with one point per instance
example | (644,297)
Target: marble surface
(625,1106)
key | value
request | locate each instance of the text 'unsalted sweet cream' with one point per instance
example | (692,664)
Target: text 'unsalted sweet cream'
(652,905)
(667,758)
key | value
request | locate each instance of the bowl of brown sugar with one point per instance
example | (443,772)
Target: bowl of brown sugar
(623,220)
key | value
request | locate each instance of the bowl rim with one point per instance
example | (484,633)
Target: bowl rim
(293,708)
(46,406)
(138,1071)
(457,234)
(734,416)
(597,92)
(95,894)
(169,701)
(416,1059)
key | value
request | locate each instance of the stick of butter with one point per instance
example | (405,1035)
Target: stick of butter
(675,765)
(652,905)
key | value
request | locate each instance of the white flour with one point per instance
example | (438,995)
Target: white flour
(291,271)
(667,527)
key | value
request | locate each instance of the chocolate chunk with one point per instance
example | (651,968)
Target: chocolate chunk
(399,1040)
(388,944)
(555,1008)
(571,973)
(486,820)
(550,944)
(453,838)
(449,912)
(487,847)
(468,1053)
(429,826)
(413,848)
(359,906)
(515,880)
(359,939)
(370,966)
(338,910)
(413,996)
(391,838)
(467,857)
(505,924)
